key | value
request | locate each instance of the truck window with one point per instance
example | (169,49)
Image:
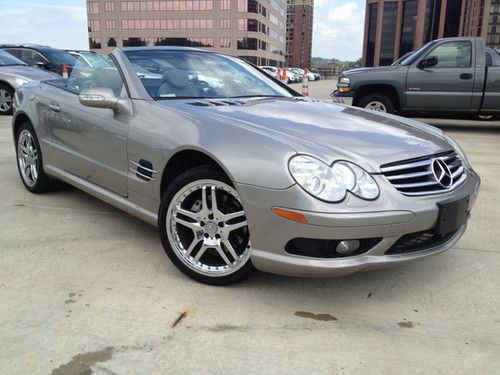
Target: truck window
(452,54)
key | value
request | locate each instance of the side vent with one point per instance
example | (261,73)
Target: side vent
(217,103)
(144,170)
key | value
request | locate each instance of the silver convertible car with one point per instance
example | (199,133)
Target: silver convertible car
(238,171)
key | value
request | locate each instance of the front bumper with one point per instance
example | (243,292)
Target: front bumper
(348,94)
(390,217)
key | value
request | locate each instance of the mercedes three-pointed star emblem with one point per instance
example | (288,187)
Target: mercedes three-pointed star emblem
(442,173)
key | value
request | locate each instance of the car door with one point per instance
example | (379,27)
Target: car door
(446,86)
(91,142)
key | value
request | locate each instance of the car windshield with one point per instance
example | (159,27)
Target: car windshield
(178,74)
(415,56)
(59,57)
(95,60)
(7,59)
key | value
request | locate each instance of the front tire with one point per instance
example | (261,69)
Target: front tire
(377,102)
(29,161)
(203,227)
(6,99)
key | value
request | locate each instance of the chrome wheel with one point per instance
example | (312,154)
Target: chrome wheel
(376,106)
(5,100)
(27,157)
(207,228)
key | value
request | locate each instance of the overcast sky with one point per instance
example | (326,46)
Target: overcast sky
(338,25)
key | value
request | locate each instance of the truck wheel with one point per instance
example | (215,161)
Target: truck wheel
(377,102)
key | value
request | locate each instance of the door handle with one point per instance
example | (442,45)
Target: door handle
(54,107)
(465,76)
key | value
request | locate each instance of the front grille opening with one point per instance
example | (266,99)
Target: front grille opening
(415,177)
(314,248)
(418,241)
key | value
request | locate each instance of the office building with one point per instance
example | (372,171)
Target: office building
(481,18)
(396,27)
(251,29)
(299,31)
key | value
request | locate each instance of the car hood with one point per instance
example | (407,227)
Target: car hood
(27,72)
(366,70)
(326,130)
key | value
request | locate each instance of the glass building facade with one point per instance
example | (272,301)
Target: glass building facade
(251,29)
(396,27)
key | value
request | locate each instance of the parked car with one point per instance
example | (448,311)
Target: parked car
(44,57)
(13,74)
(248,174)
(310,75)
(273,72)
(450,76)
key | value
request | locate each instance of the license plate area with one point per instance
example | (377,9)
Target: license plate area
(452,215)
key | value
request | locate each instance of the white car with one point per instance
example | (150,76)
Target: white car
(273,71)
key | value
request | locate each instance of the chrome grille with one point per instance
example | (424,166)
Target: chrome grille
(427,175)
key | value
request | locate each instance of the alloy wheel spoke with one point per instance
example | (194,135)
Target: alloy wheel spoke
(204,204)
(192,246)
(215,211)
(200,253)
(223,255)
(193,226)
(190,214)
(230,248)
(34,172)
(233,215)
(229,228)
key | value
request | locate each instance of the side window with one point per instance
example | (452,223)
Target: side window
(31,57)
(452,55)
(100,71)
(15,52)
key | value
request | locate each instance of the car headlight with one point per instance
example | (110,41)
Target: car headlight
(20,81)
(458,150)
(332,183)
(345,80)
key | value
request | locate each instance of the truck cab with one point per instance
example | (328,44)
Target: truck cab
(448,76)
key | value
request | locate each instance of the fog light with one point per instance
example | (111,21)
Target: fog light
(347,247)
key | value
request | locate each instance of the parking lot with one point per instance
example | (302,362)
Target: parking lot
(85,288)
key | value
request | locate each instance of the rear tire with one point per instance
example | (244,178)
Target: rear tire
(208,242)
(30,162)
(6,99)
(377,102)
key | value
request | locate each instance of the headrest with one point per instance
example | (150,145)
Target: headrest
(176,77)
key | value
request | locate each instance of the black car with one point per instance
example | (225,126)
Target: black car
(42,56)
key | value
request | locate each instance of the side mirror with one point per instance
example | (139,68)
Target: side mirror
(103,97)
(42,64)
(428,62)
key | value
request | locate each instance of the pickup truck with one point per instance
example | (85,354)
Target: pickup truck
(450,76)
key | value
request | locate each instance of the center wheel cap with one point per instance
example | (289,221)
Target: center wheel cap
(211,228)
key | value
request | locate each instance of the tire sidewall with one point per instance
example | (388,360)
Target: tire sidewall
(192,175)
(384,99)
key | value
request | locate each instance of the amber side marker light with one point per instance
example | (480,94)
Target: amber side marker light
(290,215)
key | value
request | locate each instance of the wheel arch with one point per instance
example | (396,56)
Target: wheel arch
(19,119)
(386,89)
(185,159)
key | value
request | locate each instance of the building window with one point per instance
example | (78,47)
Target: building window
(109,6)
(372,30)
(94,25)
(111,42)
(110,24)
(247,43)
(225,42)
(225,5)
(92,8)
(225,23)
(242,5)
(95,43)
(388,33)
(410,8)
(157,24)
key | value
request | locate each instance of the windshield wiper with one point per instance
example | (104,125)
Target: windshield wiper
(180,97)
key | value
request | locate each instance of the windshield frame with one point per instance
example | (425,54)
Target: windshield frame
(282,91)
(50,54)
(419,53)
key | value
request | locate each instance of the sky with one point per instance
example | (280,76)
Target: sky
(338,25)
